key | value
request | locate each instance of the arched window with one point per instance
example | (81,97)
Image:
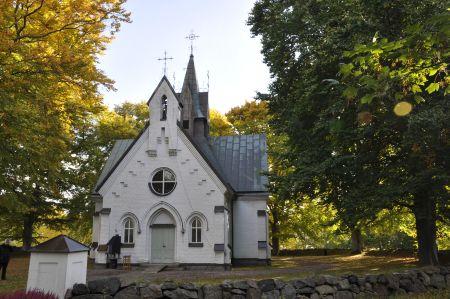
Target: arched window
(196,230)
(128,231)
(163,107)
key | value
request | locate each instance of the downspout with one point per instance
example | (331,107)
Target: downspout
(224,238)
(231,196)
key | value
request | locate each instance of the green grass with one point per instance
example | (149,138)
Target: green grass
(287,268)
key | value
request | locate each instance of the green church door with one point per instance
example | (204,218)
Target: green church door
(163,244)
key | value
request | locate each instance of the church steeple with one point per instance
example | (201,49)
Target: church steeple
(195,112)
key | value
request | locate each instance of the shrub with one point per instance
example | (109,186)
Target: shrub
(33,294)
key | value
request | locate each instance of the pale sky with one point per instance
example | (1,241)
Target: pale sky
(225,49)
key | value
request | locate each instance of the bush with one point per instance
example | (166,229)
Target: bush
(33,294)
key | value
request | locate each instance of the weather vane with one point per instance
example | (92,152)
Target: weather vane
(165,61)
(192,37)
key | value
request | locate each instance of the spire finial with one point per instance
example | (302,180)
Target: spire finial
(192,37)
(165,61)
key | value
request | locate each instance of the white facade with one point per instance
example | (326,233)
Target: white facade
(250,228)
(197,192)
(56,272)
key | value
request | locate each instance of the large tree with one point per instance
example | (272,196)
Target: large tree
(402,87)
(49,84)
(333,155)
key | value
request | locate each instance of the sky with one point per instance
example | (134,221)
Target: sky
(225,48)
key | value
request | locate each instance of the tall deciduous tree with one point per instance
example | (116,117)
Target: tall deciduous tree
(403,86)
(332,153)
(49,84)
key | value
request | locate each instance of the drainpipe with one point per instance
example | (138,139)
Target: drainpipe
(225,245)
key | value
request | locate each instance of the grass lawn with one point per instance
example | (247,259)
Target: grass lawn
(282,268)
(17,274)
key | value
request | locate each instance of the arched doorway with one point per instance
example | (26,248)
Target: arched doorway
(162,232)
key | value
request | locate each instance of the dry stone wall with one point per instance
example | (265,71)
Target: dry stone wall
(322,286)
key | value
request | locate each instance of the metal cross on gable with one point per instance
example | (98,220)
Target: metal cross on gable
(192,37)
(165,61)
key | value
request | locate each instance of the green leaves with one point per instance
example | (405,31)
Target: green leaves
(367,99)
(346,144)
(401,68)
(350,92)
(346,69)
(432,87)
(416,88)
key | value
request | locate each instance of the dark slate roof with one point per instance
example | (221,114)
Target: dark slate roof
(119,148)
(243,160)
(239,161)
(204,106)
(60,244)
(190,83)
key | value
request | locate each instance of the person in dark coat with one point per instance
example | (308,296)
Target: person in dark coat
(114,245)
(113,255)
(5,255)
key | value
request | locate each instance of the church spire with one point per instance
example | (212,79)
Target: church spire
(195,103)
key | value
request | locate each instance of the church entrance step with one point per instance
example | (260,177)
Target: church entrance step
(154,268)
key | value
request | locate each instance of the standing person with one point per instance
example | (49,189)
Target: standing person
(5,252)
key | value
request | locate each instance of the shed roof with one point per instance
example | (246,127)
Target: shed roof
(60,244)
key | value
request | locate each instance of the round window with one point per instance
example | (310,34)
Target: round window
(163,181)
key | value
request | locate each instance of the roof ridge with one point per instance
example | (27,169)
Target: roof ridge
(100,184)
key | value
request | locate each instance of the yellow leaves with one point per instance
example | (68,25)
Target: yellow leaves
(416,88)
(219,124)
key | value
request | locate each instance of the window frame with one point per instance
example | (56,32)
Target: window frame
(128,231)
(164,104)
(196,231)
(163,182)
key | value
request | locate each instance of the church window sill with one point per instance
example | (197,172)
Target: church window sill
(195,244)
(219,247)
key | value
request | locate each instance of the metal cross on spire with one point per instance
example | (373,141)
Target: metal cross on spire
(192,37)
(165,61)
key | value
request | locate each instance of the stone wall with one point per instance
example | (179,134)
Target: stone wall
(322,286)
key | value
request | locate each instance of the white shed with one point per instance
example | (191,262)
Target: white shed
(57,264)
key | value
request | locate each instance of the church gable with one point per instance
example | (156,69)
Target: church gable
(239,162)
(163,138)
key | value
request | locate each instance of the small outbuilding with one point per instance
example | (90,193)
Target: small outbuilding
(57,264)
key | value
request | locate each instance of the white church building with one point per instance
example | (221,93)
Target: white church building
(177,195)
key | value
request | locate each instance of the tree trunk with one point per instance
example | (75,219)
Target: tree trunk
(27,235)
(275,230)
(425,214)
(357,245)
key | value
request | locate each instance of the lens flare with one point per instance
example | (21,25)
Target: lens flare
(402,108)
